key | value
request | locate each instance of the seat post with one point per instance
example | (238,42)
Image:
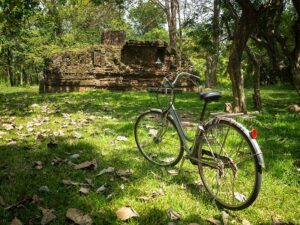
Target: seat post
(203,111)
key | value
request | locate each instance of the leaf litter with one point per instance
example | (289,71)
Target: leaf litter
(84,190)
(214,221)
(48,216)
(102,188)
(78,217)
(126,213)
(106,170)
(174,216)
(87,165)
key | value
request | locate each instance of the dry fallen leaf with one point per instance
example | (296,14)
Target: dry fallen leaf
(246,222)
(91,118)
(145,198)
(77,135)
(107,170)
(38,165)
(173,215)
(225,217)
(35,105)
(126,213)
(87,165)
(8,126)
(89,182)
(58,133)
(2,133)
(44,189)
(276,221)
(84,190)
(158,192)
(297,165)
(30,130)
(101,189)
(193,223)
(36,199)
(109,196)
(74,156)
(122,138)
(173,172)
(48,216)
(12,143)
(214,221)
(78,217)
(15,221)
(66,115)
(240,197)
(153,132)
(69,182)
(124,173)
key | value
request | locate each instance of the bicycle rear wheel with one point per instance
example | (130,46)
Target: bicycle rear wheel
(235,180)
(158,139)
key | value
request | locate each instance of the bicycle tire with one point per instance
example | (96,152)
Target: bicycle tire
(239,169)
(166,150)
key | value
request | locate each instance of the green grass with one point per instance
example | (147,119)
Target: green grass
(116,112)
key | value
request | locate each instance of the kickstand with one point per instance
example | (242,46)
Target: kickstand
(182,162)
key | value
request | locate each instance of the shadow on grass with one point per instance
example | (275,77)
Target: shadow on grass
(19,180)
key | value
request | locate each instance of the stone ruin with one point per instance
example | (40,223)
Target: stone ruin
(117,64)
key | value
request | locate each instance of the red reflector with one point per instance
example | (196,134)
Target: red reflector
(253,134)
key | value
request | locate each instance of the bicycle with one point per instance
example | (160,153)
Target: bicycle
(228,156)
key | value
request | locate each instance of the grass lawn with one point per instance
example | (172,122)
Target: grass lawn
(43,136)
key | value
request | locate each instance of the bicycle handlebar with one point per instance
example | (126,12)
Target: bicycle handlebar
(169,84)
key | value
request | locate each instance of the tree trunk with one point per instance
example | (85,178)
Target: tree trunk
(171,10)
(243,30)
(208,72)
(296,53)
(9,68)
(216,41)
(256,74)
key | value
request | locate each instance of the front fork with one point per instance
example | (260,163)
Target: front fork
(162,131)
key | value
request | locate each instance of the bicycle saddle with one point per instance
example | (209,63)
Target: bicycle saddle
(210,96)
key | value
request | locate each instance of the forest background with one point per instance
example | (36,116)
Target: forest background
(229,42)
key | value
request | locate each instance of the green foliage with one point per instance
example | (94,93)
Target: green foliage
(30,31)
(147,16)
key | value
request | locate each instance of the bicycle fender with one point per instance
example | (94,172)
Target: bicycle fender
(258,152)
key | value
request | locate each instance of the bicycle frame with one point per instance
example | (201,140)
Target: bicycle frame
(183,136)
(197,142)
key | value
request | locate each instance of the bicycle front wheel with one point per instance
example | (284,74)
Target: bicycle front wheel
(158,139)
(235,179)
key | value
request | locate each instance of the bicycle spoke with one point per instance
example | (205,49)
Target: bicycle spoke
(233,180)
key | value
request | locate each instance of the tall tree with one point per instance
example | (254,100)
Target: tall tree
(13,15)
(296,52)
(212,57)
(244,26)
(170,8)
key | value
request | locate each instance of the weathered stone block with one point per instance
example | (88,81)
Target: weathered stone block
(130,66)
